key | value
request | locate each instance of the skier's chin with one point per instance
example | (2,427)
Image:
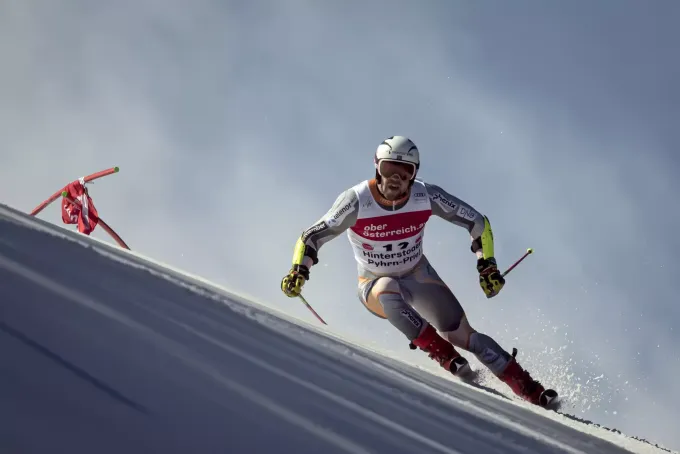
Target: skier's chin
(393,191)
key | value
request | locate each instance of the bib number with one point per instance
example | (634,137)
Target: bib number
(400,246)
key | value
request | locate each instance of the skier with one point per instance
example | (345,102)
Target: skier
(385,219)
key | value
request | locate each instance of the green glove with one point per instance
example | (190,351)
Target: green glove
(490,279)
(292,283)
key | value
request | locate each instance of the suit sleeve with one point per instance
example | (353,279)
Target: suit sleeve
(460,213)
(341,216)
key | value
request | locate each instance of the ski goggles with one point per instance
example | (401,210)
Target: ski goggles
(387,168)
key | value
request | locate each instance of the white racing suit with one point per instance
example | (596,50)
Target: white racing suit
(396,281)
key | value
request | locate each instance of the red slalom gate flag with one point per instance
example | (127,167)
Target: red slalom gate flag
(87,216)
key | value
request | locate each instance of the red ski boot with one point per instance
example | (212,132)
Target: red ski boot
(523,385)
(441,351)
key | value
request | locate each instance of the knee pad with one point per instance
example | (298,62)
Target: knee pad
(489,353)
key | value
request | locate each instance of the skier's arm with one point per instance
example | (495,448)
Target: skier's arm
(341,216)
(462,214)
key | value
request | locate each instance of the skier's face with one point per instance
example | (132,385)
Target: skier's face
(395,178)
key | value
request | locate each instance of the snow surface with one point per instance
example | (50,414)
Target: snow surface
(104,350)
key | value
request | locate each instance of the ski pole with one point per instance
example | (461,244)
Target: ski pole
(302,298)
(526,254)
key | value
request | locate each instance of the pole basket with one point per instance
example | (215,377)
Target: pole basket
(78,208)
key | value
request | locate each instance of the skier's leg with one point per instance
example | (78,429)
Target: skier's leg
(432,298)
(382,296)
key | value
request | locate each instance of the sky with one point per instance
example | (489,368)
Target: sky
(237,123)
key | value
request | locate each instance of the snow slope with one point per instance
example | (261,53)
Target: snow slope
(107,351)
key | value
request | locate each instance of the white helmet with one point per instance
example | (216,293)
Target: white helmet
(398,149)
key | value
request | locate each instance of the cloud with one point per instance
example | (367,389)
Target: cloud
(236,125)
